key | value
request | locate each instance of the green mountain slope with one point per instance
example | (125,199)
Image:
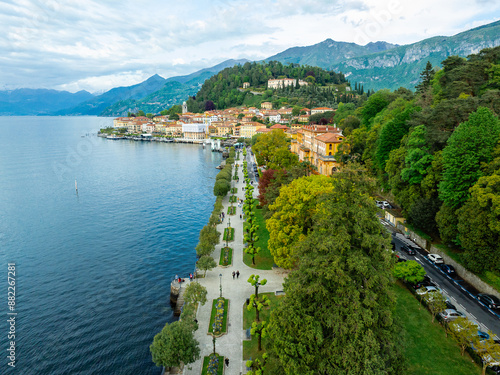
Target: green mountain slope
(402,65)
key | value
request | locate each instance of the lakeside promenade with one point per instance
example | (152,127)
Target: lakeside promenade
(237,290)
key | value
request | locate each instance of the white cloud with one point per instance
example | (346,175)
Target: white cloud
(98,45)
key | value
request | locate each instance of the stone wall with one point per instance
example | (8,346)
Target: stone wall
(468,276)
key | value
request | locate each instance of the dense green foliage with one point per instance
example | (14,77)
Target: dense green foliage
(223,90)
(435,152)
(336,316)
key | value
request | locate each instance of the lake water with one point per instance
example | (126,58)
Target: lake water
(93,269)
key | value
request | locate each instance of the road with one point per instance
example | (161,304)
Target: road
(457,290)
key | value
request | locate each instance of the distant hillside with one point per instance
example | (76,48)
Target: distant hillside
(402,65)
(174,91)
(23,102)
(328,52)
(96,105)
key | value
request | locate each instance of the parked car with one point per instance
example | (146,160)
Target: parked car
(489,300)
(428,289)
(450,305)
(448,269)
(425,282)
(449,315)
(383,204)
(408,249)
(436,258)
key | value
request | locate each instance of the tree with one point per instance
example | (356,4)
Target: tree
(259,329)
(488,350)
(258,304)
(292,216)
(409,271)
(257,366)
(336,315)
(209,105)
(479,225)
(462,330)
(141,113)
(174,345)
(470,145)
(206,263)
(195,293)
(221,188)
(425,78)
(267,144)
(254,281)
(418,157)
(436,303)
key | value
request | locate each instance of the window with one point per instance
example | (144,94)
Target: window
(329,154)
(330,146)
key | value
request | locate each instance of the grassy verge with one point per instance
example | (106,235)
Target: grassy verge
(250,346)
(226,256)
(418,231)
(228,234)
(428,350)
(214,313)
(263,260)
(206,363)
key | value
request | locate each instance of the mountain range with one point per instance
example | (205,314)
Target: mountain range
(376,65)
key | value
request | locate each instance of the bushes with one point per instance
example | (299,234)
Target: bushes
(221,188)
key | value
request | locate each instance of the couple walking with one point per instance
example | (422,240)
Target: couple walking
(237,273)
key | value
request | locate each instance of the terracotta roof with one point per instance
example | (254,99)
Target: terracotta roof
(330,137)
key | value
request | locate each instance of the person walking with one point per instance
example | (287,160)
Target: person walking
(233,274)
(237,274)
(227,362)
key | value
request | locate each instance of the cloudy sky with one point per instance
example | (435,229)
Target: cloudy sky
(96,45)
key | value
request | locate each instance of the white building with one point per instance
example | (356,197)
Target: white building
(195,130)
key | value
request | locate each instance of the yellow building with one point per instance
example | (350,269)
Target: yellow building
(318,145)
(249,129)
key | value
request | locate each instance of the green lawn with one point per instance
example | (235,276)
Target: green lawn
(250,346)
(428,350)
(263,260)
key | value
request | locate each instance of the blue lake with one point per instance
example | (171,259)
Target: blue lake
(93,269)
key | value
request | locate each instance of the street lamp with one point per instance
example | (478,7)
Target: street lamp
(220,283)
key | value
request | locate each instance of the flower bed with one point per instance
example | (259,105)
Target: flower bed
(228,234)
(213,365)
(234,190)
(218,318)
(233,199)
(231,210)
(226,256)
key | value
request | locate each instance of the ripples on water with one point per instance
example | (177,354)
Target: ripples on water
(94,269)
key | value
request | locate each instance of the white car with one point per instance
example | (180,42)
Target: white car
(428,289)
(449,315)
(436,258)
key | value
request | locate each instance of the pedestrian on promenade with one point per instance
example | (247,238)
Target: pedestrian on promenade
(240,216)
(233,274)
(190,277)
(237,274)
(227,362)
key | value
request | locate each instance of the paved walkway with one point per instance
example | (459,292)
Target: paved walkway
(236,290)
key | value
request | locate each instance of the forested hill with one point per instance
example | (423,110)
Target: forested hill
(225,90)
(436,152)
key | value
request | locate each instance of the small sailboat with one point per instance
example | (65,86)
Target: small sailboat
(76,187)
